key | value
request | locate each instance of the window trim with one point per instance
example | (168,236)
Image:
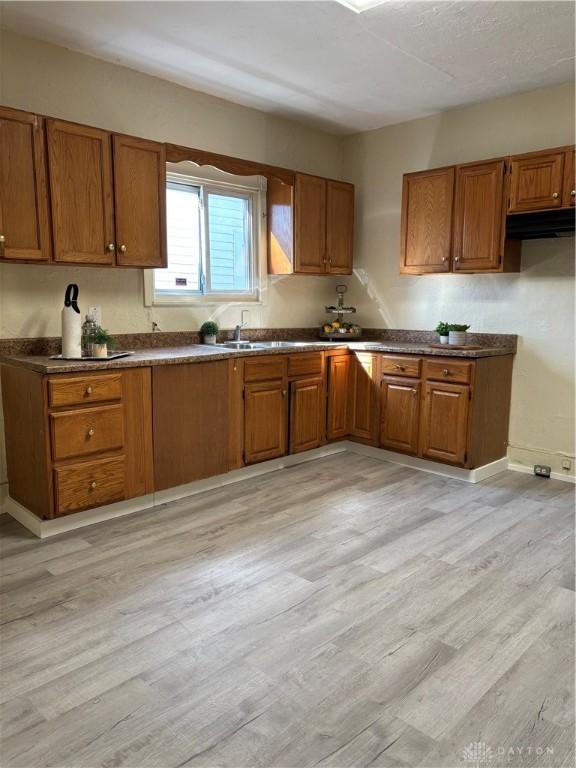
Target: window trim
(257,195)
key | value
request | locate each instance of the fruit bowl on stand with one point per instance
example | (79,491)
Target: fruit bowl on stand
(339,330)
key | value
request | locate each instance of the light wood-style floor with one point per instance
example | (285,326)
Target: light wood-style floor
(345,612)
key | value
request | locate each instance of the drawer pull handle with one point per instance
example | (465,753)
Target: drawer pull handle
(399,367)
(446,372)
(91,432)
(93,484)
(89,390)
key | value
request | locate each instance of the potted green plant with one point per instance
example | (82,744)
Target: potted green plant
(209,331)
(443,329)
(457,334)
(100,341)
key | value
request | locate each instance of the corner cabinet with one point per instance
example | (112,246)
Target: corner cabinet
(310,226)
(24,213)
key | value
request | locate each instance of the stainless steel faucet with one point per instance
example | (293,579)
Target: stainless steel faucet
(237,331)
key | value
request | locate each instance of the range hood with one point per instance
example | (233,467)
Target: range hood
(540,224)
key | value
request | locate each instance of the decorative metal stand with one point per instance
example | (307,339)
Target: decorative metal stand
(344,329)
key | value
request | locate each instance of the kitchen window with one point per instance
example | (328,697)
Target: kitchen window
(213,234)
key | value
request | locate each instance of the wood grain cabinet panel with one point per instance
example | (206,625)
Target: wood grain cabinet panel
(444,422)
(339,227)
(365,405)
(306,414)
(86,431)
(265,420)
(338,410)
(479,221)
(140,202)
(83,390)
(190,422)
(569,182)
(90,484)
(400,410)
(80,169)
(536,182)
(426,228)
(310,224)
(24,217)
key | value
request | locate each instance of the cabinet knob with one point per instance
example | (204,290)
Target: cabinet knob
(283,393)
(555,195)
(91,432)
(443,258)
(123,248)
(414,391)
(457,258)
(89,390)
(573,193)
(446,372)
(111,247)
(399,367)
(93,484)
(2,239)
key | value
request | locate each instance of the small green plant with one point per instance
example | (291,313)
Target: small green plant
(442,329)
(99,335)
(209,328)
(456,327)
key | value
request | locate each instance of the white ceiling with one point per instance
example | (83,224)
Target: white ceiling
(320,62)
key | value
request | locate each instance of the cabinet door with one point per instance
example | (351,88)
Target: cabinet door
(310,224)
(338,397)
(306,414)
(426,228)
(443,429)
(400,404)
(140,202)
(24,222)
(479,216)
(265,421)
(339,227)
(365,422)
(569,183)
(190,422)
(536,182)
(80,170)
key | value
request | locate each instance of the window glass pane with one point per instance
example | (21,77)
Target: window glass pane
(182,275)
(229,243)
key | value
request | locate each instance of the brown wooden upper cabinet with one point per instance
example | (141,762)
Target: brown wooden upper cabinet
(107,206)
(569,183)
(536,181)
(24,217)
(479,238)
(426,228)
(310,226)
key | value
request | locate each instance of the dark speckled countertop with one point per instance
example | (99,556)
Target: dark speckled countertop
(195,353)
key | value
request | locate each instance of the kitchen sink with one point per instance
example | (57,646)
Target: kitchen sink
(263,344)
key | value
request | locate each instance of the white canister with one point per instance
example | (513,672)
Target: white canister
(457,337)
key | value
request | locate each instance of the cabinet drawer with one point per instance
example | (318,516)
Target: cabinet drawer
(265,368)
(90,430)
(81,390)
(91,484)
(401,366)
(456,372)
(305,364)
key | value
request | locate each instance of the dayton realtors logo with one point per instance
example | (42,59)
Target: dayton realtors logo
(479,754)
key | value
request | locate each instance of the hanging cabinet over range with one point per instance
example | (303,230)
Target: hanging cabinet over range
(454,218)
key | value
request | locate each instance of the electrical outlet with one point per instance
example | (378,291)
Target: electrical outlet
(566,464)
(96,314)
(542,470)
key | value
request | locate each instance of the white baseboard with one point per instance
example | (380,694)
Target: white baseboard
(425,465)
(526,470)
(46,528)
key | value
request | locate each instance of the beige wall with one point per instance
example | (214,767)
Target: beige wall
(537,304)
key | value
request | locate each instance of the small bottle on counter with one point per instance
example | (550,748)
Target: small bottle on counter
(87,327)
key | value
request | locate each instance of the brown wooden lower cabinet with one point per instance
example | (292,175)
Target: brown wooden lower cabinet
(443,435)
(400,411)
(265,420)
(190,416)
(337,417)
(364,393)
(306,414)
